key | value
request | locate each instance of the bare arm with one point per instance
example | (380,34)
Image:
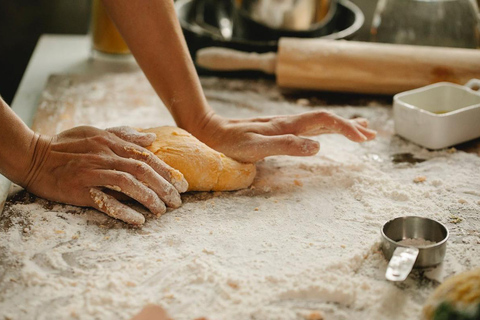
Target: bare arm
(17,146)
(153,34)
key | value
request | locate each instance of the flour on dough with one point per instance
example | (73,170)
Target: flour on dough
(204,168)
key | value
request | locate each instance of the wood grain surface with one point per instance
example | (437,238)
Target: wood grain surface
(370,67)
(103,101)
(310,224)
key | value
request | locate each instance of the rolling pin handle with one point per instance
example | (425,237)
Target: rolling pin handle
(223,59)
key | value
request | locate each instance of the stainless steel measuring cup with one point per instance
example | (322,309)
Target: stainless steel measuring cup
(412,242)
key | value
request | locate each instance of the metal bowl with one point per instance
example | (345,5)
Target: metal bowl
(255,24)
(348,20)
(291,15)
(413,227)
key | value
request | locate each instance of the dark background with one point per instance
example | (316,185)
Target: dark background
(23,21)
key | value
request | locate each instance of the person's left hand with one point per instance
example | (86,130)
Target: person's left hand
(77,165)
(250,140)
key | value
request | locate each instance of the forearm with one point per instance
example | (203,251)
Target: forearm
(153,34)
(17,146)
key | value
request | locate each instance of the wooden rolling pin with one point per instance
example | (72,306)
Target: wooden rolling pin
(350,66)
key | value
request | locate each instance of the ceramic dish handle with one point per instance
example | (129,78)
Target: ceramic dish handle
(473,84)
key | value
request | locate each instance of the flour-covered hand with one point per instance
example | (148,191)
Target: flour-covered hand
(249,140)
(76,165)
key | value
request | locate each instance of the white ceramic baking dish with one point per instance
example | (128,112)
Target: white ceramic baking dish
(439,115)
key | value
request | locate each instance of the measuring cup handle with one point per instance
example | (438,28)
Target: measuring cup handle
(473,84)
(401,263)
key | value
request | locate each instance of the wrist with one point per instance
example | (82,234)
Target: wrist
(198,123)
(19,146)
(37,155)
(210,130)
(15,152)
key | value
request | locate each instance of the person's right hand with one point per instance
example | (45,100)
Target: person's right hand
(250,140)
(74,166)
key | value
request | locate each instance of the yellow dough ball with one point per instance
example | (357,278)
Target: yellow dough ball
(204,168)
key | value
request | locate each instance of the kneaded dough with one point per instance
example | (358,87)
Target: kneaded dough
(204,168)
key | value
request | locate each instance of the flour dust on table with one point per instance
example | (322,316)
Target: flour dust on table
(301,243)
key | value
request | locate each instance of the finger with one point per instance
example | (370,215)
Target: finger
(129,134)
(306,124)
(362,125)
(264,146)
(319,122)
(170,174)
(370,134)
(126,183)
(110,206)
(361,121)
(144,173)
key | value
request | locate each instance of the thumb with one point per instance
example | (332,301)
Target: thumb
(143,139)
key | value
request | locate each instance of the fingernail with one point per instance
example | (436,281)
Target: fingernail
(149,136)
(311,147)
(158,208)
(133,217)
(178,181)
(176,202)
(180,185)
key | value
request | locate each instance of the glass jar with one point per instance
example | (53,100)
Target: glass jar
(105,36)
(448,23)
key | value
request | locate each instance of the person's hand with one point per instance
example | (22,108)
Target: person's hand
(74,166)
(249,140)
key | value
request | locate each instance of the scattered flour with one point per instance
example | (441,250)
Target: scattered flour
(302,243)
